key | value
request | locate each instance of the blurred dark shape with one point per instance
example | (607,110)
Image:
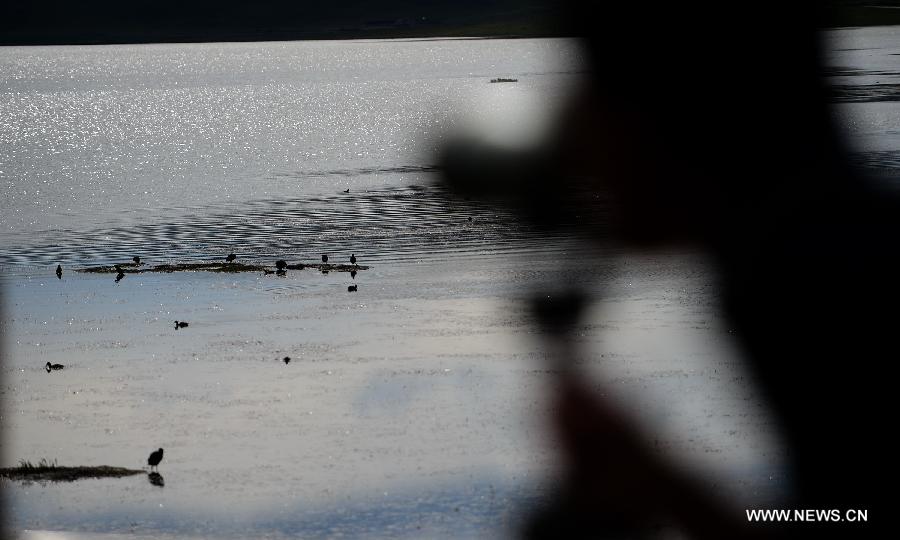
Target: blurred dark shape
(230,257)
(136,259)
(119,275)
(707,124)
(156,479)
(180,324)
(324,258)
(287,360)
(53,367)
(353,274)
(280,264)
(352,258)
(59,271)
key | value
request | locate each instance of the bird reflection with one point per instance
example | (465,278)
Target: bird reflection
(353,274)
(156,479)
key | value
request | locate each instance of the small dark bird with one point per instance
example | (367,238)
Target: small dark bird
(353,274)
(181,324)
(155,458)
(136,259)
(287,359)
(51,367)
(280,264)
(119,276)
(324,258)
(59,271)
(347,190)
(281,272)
(231,257)
(351,288)
(352,258)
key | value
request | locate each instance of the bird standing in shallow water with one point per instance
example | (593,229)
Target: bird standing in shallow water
(287,359)
(352,258)
(280,264)
(59,271)
(181,324)
(351,288)
(324,258)
(136,259)
(51,367)
(155,458)
(231,257)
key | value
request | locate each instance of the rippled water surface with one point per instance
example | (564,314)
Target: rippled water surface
(154,140)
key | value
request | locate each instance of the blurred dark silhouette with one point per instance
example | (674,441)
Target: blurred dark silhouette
(707,125)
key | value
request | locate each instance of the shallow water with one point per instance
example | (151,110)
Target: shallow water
(415,407)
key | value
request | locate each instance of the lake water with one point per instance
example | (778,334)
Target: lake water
(412,408)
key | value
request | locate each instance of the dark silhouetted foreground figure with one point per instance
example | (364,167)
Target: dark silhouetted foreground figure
(181,324)
(59,271)
(231,257)
(287,359)
(280,264)
(324,258)
(136,259)
(351,288)
(155,458)
(708,126)
(352,258)
(53,367)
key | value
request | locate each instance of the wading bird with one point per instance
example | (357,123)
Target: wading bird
(351,288)
(119,276)
(136,259)
(324,258)
(287,359)
(154,459)
(280,264)
(59,271)
(231,257)
(181,324)
(52,367)
(352,258)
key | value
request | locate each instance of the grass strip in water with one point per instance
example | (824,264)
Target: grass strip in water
(46,471)
(234,267)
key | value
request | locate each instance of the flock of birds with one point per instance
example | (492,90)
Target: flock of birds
(280,269)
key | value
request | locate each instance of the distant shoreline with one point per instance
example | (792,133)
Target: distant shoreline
(528,26)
